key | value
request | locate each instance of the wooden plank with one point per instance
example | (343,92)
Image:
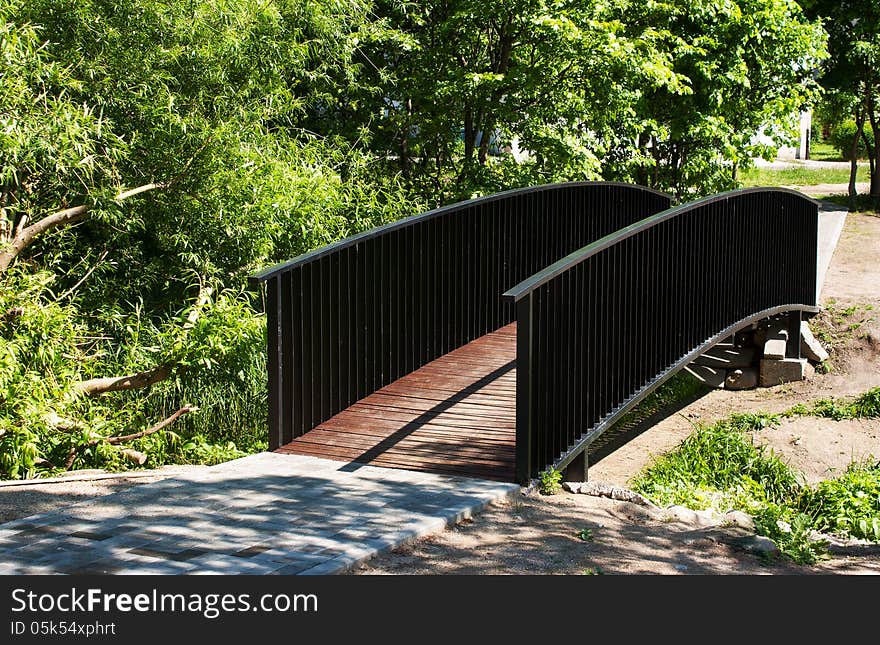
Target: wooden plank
(387,428)
(447,419)
(399,458)
(416,449)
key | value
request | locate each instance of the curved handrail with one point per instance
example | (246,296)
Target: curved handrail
(563,264)
(358,238)
(603,326)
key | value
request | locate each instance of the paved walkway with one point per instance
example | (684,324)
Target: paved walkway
(831,220)
(263,514)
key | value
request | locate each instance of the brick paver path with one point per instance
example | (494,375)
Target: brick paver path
(266,513)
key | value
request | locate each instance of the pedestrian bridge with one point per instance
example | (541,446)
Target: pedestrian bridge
(501,336)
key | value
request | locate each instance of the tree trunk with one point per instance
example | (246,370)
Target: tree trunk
(874,157)
(854,158)
(469,136)
(484,142)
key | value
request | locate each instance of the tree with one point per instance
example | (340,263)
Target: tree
(152,155)
(670,94)
(454,83)
(852,74)
(744,66)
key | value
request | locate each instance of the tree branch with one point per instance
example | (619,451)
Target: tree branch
(140,380)
(74,450)
(152,429)
(25,236)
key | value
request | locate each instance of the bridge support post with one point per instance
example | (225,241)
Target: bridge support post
(578,469)
(793,344)
(524,390)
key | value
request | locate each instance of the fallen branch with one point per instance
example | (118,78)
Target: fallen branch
(71,456)
(136,381)
(140,380)
(143,433)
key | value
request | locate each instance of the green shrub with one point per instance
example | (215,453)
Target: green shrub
(791,533)
(719,467)
(551,481)
(842,136)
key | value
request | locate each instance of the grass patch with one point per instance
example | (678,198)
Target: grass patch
(720,467)
(863,406)
(800,176)
(848,506)
(824,151)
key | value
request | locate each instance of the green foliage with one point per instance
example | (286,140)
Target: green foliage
(842,138)
(792,537)
(585,534)
(208,101)
(551,481)
(863,406)
(848,505)
(741,67)
(719,467)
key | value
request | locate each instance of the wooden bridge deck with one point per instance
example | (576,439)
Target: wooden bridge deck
(456,415)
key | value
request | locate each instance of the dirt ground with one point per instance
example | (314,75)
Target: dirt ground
(536,534)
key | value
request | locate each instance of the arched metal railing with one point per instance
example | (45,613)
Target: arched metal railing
(601,328)
(349,318)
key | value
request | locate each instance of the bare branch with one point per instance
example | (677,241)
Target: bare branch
(137,191)
(152,429)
